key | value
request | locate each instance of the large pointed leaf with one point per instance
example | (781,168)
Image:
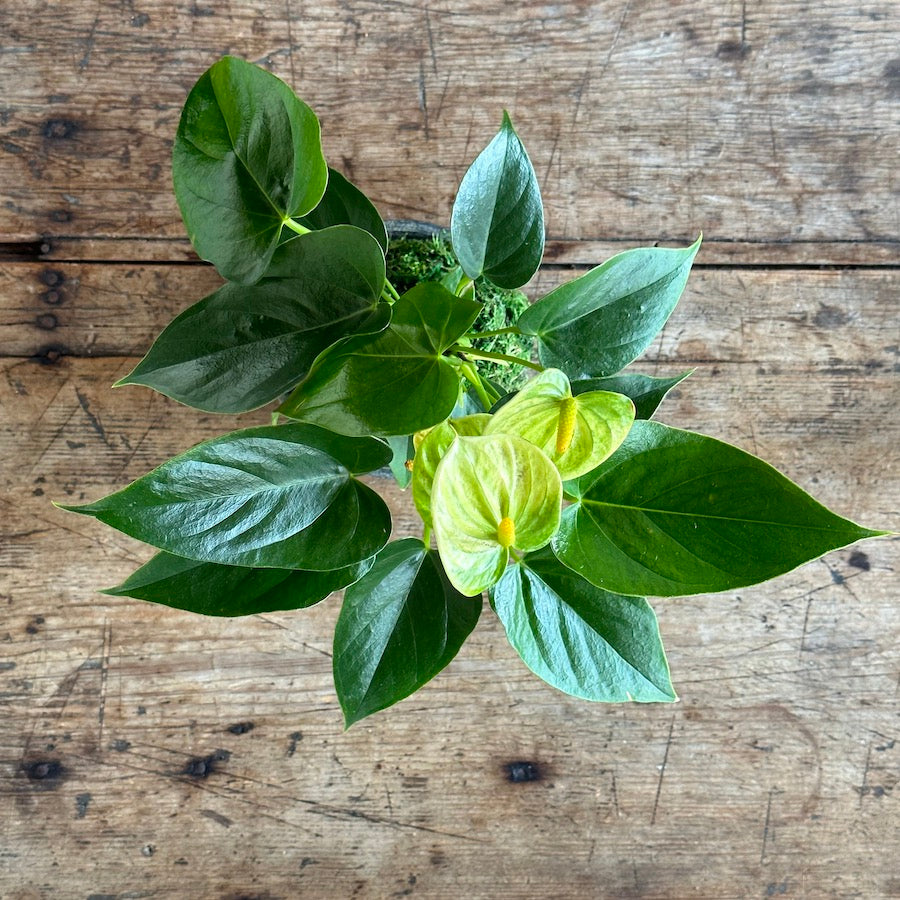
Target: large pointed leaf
(497,225)
(344,204)
(247,156)
(672,512)
(645,391)
(213,589)
(600,322)
(575,433)
(394,382)
(400,624)
(242,346)
(579,638)
(491,494)
(281,496)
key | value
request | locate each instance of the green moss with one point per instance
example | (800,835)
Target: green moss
(413,260)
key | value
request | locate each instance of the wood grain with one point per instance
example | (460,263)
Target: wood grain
(145,752)
(756,123)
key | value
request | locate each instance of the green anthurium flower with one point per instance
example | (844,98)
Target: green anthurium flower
(491,494)
(576,433)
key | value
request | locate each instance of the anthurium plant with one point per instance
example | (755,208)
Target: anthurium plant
(560,498)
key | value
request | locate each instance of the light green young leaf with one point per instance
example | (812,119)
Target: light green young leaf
(213,589)
(598,323)
(399,626)
(576,433)
(497,225)
(277,496)
(673,513)
(579,638)
(247,156)
(490,494)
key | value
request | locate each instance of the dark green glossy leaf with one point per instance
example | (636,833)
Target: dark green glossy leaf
(598,323)
(394,382)
(400,624)
(278,496)
(672,512)
(212,589)
(344,204)
(579,638)
(497,225)
(645,391)
(247,156)
(242,347)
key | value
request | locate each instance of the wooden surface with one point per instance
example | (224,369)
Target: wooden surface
(146,753)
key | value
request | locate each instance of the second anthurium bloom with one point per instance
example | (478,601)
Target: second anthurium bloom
(576,433)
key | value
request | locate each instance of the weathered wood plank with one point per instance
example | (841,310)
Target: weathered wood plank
(845,318)
(756,123)
(556,252)
(128,764)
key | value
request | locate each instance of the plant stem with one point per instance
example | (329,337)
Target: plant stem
(426,536)
(296,226)
(513,329)
(391,289)
(472,374)
(499,357)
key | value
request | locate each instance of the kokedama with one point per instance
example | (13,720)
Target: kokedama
(556,495)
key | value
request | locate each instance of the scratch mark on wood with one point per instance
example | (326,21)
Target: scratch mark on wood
(430,39)
(662,771)
(104,678)
(423,99)
(588,75)
(290,36)
(96,424)
(864,787)
(217,817)
(765,834)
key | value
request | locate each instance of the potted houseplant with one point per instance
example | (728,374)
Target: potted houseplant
(542,482)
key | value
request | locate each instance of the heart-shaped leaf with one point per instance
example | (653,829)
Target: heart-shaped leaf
(394,382)
(576,433)
(344,204)
(491,493)
(400,624)
(242,347)
(247,156)
(579,638)
(646,391)
(672,513)
(277,496)
(598,323)
(213,589)
(497,225)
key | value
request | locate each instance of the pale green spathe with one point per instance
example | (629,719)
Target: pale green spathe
(602,421)
(479,482)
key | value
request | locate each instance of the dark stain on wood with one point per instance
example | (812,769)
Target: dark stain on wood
(734,51)
(859,560)
(240,727)
(891,75)
(60,129)
(46,321)
(81,805)
(519,772)
(203,767)
(50,355)
(45,774)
